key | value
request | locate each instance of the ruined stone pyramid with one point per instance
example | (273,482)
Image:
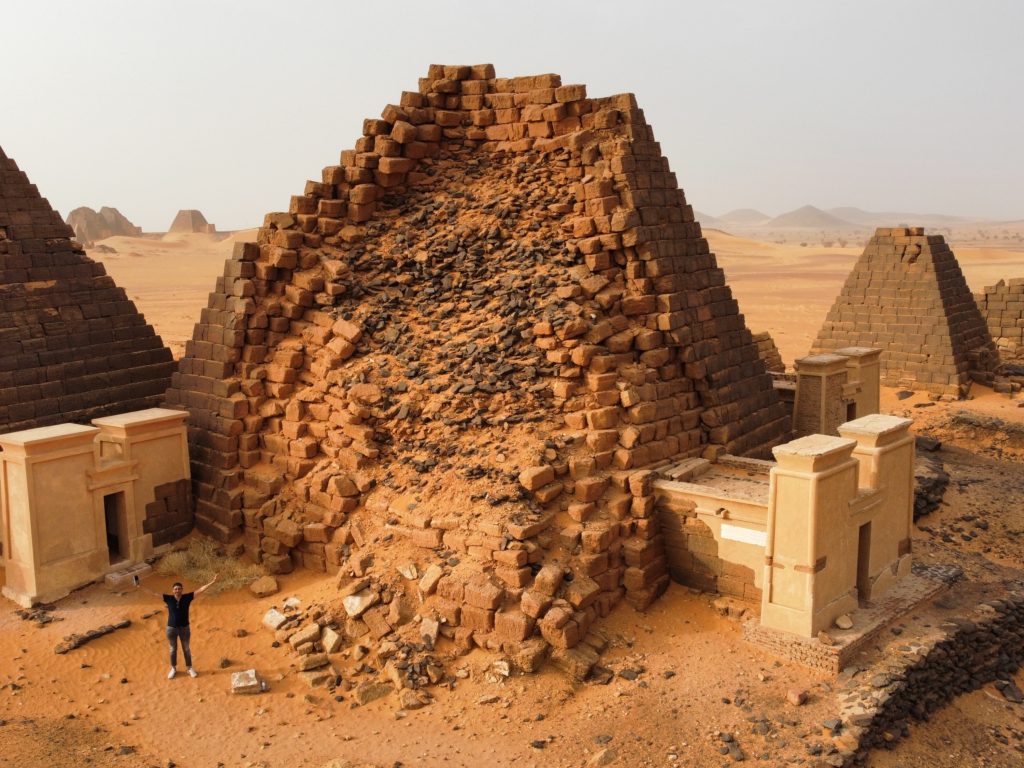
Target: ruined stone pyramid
(1002,306)
(461,342)
(73,346)
(907,296)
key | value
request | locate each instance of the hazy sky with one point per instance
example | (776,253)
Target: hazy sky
(230,106)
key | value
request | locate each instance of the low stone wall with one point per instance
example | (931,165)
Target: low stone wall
(693,558)
(968,653)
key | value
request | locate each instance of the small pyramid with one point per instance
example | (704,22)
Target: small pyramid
(1002,306)
(72,345)
(191,221)
(907,296)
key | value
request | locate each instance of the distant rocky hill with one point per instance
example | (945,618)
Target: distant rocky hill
(745,217)
(90,225)
(707,220)
(896,218)
(808,216)
(191,221)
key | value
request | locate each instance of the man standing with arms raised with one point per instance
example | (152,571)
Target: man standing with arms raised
(178,629)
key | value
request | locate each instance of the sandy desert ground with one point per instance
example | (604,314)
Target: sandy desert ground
(110,704)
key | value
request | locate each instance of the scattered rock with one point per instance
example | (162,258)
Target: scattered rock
(796,697)
(264,586)
(844,622)
(331,640)
(371,691)
(79,639)
(355,605)
(1010,691)
(408,571)
(274,619)
(247,682)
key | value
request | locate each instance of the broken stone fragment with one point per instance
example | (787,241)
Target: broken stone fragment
(264,586)
(366,394)
(371,691)
(408,571)
(429,629)
(355,605)
(844,622)
(331,640)
(430,579)
(246,682)
(274,619)
(605,756)
(307,634)
(410,699)
(533,478)
(313,661)
(796,697)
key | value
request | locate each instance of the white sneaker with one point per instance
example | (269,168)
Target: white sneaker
(172,673)
(192,672)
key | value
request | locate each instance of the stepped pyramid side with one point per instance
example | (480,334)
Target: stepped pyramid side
(72,345)
(468,337)
(191,221)
(907,296)
(1002,306)
(769,353)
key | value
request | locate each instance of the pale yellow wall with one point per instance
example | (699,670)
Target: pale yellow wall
(806,567)
(65,519)
(885,452)
(821,490)
(747,518)
(58,543)
(154,444)
(51,500)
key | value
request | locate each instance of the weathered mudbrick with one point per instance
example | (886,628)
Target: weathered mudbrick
(1002,306)
(72,345)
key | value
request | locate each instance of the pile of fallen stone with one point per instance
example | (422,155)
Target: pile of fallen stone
(966,653)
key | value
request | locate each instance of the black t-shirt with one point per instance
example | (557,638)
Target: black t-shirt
(177,610)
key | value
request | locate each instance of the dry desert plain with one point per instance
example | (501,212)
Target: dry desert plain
(684,683)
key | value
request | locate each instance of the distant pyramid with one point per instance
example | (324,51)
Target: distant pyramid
(72,346)
(90,225)
(1002,306)
(191,221)
(907,296)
